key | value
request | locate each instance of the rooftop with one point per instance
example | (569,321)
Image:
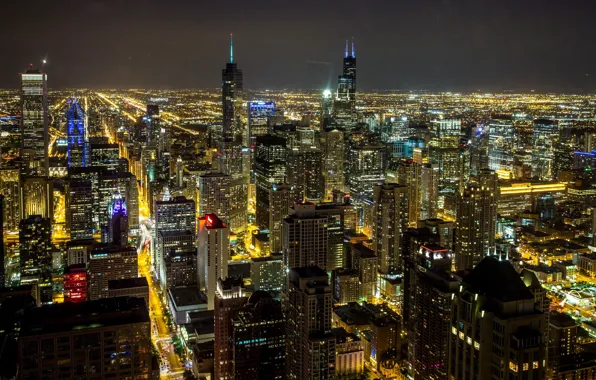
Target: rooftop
(186,296)
(127,283)
(67,317)
(497,279)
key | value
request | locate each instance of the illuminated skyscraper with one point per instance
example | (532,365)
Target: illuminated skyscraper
(214,195)
(281,197)
(333,146)
(365,168)
(345,100)
(35,238)
(77,139)
(476,223)
(305,238)
(259,113)
(544,140)
(271,160)
(118,221)
(37,196)
(409,174)
(390,222)
(310,347)
(233,132)
(10,187)
(79,210)
(494,319)
(34,120)
(501,143)
(110,263)
(306,173)
(214,252)
(429,191)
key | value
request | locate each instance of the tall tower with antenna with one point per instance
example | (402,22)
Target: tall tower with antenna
(34,120)
(345,100)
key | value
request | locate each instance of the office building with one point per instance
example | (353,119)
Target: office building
(305,173)
(96,350)
(259,113)
(106,155)
(390,222)
(346,286)
(214,253)
(349,354)
(265,273)
(310,346)
(77,251)
(76,135)
(305,239)
(344,106)
(35,238)
(178,250)
(35,121)
(364,261)
(476,223)
(544,138)
(501,144)
(230,297)
(10,188)
(259,337)
(233,133)
(281,198)
(365,168)
(333,147)
(271,160)
(118,221)
(496,330)
(79,210)
(214,195)
(562,340)
(37,197)
(75,283)
(409,173)
(126,184)
(110,263)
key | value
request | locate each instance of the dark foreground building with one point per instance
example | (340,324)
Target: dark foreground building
(108,338)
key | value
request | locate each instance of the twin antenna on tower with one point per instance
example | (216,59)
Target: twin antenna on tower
(353,50)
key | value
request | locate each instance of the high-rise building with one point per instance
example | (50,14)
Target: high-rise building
(35,238)
(281,198)
(75,283)
(35,120)
(37,196)
(214,253)
(2,245)
(124,183)
(544,139)
(271,160)
(233,134)
(230,297)
(562,339)
(346,286)
(259,334)
(265,273)
(496,330)
(306,173)
(305,237)
(105,155)
(429,191)
(10,188)
(501,143)
(364,261)
(79,210)
(118,221)
(344,107)
(214,194)
(390,222)
(178,214)
(333,146)
(259,113)
(110,263)
(476,223)
(430,314)
(94,351)
(409,174)
(310,346)
(76,135)
(178,249)
(365,168)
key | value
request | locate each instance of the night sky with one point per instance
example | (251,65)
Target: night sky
(486,45)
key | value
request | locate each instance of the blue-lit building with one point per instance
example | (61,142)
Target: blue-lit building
(118,221)
(344,106)
(259,113)
(77,139)
(583,160)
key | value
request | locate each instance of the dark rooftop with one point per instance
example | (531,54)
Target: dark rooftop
(126,283)
(186,295)
(66,317)
(497,279)
(308,272)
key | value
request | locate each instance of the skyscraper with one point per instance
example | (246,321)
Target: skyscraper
(345,99)
(496,330)
(118,221)
(229,296)
(271,157)
(214,252)
(258,333)
(79,210)
(281,198)
(230,145)
(110,263)
(476,223)
(10,187)
(34,120)
(77,139)
(35,238)
(310,346)
(333,146)
(305,238)
(390,222)
(259,113)
(37,196)
(2,248)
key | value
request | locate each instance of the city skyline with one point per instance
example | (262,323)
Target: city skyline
(423,45)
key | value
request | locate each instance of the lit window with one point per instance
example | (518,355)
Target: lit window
(454,330)
(526,366)
(461,335)
(476,346)
(535,365)
(469,340)
(513,366)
